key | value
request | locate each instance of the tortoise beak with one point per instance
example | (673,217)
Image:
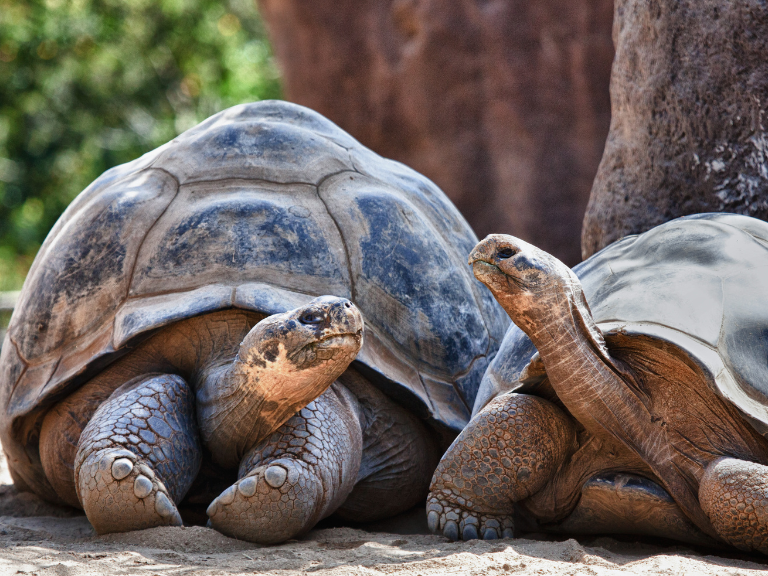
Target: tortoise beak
(483,262)
(484,251)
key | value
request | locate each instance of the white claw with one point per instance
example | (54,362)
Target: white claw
(212,507)
(275,476)
(163,505)
(228,496)
(433,521)
(146,470)
(248,487)
(121,468)
(142,486)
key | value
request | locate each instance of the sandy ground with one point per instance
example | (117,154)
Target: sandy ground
(37,538)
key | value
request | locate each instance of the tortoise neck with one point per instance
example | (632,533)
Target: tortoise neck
(577,362)
(609,399)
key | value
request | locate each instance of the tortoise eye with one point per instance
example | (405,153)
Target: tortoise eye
(311,317)
(505,253)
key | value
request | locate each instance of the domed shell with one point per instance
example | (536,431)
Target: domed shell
(261,207)
(698,283)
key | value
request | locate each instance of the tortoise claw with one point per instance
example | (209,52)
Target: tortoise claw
(469,532)
(456,522)
(451,531)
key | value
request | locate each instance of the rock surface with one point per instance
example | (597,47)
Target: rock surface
(689,92)
(503,103)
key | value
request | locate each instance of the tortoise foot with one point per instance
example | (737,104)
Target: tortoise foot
(455,522)
(119,492)
(507,452)
(299,475)
(733,494)
(272,503)
(138,455)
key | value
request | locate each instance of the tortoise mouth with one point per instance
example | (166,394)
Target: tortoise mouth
(482,268)
(496,278)
(344,340)
(489,274)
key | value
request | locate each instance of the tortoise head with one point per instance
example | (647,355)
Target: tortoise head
(283,363)
(318,337)
(526,281)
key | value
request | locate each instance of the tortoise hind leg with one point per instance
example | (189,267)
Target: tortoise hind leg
(138,455)
(734,495)
(507,452)
(399,456)
(296,477)
(60,434)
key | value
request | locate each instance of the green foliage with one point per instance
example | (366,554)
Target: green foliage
(89,84)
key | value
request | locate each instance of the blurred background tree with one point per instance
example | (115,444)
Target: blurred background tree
(89,84)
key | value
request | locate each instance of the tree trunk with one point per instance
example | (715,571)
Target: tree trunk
(689,92)
(503,103)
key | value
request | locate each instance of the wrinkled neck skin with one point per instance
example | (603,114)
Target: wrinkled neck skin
(282,364)
(242,400)
(573,350)
(600,392)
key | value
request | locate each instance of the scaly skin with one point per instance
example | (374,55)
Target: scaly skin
(508,452)
(399,456)
(734,494)
(298,476)
(138,456)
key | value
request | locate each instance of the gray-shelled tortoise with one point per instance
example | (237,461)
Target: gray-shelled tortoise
(646,414)
(172,314)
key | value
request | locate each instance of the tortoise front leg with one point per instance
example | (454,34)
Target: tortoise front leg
(507,452)
(734,495)
(299,475)
(138,455)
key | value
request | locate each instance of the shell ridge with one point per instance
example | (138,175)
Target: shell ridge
(455,385)
(253,180)
(428,396)
(609,327)
(352,286)
(326,137)
(146,235)
(23,370)
(43,391)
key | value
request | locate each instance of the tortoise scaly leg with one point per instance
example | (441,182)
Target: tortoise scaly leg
(138,455)
(399,456)
(734,495)
(507,452)
(299,475)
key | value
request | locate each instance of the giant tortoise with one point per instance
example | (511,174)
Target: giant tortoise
(631,396)
(171,318)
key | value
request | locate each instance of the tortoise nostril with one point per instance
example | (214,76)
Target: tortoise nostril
(348,305)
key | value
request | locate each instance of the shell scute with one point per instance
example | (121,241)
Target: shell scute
(404,275)
(243,233)
(241,146)
(88,264)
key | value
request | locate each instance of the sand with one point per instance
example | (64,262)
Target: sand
(38,538)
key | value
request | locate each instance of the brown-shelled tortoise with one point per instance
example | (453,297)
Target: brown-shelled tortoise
(630,397)
(172,318)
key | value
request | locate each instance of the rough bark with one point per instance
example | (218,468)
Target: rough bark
(689,93)
(503,103)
